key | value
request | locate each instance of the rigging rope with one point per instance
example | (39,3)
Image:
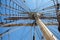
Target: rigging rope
(8,36)
(26,6)
(34,36)
(10,31)
(57,13)
(9,9)
(6,9)
(19,5)
(37,33)
(37,9)
(0,12)
(24,36)
(1,38)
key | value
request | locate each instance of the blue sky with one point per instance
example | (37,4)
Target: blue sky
(26,32)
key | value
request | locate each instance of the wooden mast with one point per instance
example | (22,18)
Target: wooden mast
(46,32)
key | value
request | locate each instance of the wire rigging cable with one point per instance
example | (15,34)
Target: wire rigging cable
(26,6)
(5,9)
(8,36)
(10,31)
(1,38)
(19,5)
(37,9)
(0,13)
(24,36)
(9,7)
(14,11)
(58,14)
(9,10)
(34,35)
(37,34)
